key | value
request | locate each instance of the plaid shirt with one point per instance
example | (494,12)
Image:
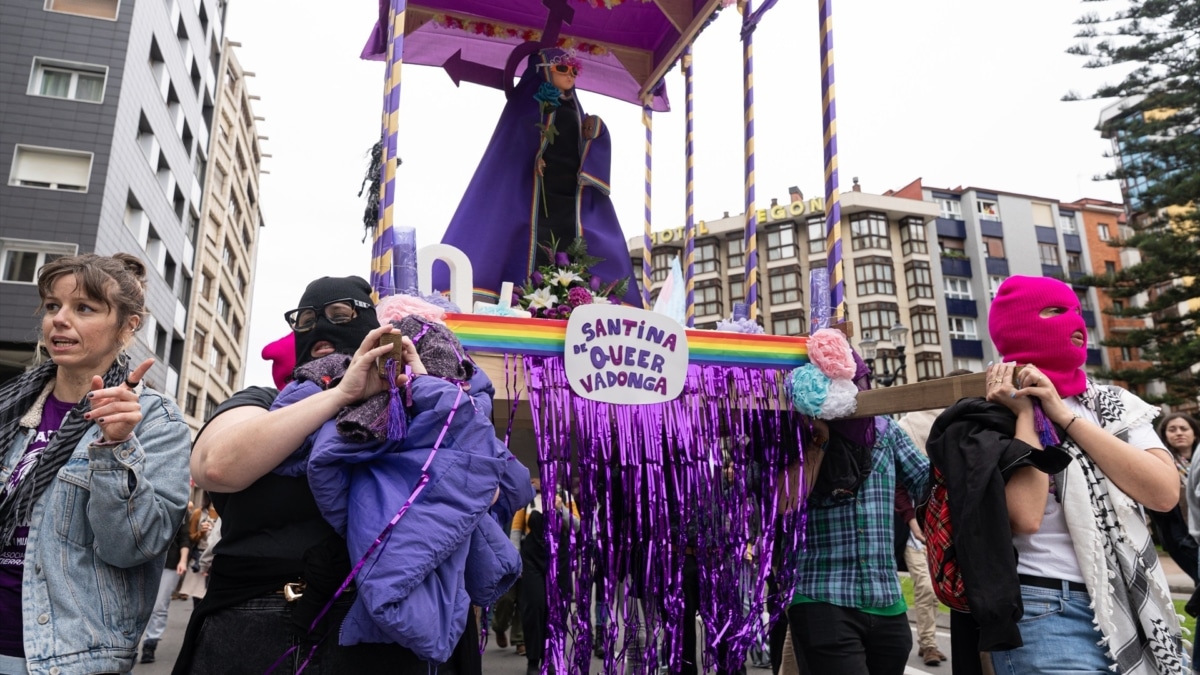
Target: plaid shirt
(849,559)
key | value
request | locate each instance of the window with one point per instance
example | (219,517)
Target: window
(816,234)
(235,328)
(737,290)
(1085,301)
(785,286)
(1128,354)
(736,249)
(96,9)
(874,275)
(994,282)
(1048,253)
(1110,268)
(22,259)
(183,290)
(918,279)
(706,257)
(950,208)
(1118,306)
(708,300)
(963,328)
(228,257)
(51,169)
(972,365)
(987,209)
(71,81)
(929,367)
(661,265)
(199,336)
(206,285)
(781,243)
(876,318)
(787,323)
(223,306)
(951,245)
(230,375)
(233,210)
(1066,223)
(210,407)
(869,230)
(240,283)
(912,237)
(993,247)
(1102,228)
(192,401)
(924,326)
(215,358)
(1075,263)
(957,288)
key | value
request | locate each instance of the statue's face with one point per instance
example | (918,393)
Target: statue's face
(563,77)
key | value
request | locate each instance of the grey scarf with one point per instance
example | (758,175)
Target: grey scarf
(17,396)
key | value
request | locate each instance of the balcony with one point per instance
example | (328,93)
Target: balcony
(958,307)
(967,349)
(1089,317)
(996,266)
(991,228)
(1094,357)
(1052,271)
(954,266)
(952,228)
(1046,235)
(1072,243)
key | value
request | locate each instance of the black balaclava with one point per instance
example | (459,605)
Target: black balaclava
(347,337)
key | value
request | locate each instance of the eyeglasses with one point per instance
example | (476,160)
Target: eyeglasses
(564,69)
(304,319)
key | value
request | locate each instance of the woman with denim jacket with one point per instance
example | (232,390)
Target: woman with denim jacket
(93,478)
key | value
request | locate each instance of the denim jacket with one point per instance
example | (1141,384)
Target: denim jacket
(98,537)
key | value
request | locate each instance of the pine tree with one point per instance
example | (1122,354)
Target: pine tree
(1157,44)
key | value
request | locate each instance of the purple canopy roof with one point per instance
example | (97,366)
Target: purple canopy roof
(625,49)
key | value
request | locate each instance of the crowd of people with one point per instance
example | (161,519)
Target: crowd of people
(1050,478)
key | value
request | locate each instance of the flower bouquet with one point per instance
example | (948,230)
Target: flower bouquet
(552,291)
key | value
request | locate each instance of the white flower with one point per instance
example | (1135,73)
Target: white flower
(564,278)
(542,298)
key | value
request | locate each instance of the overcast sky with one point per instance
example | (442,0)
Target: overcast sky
(957,92)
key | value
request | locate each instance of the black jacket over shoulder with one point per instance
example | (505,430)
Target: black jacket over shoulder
(972,443)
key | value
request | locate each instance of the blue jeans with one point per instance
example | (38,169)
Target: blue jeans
(1058,634)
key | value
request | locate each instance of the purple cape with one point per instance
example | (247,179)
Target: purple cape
(496,221)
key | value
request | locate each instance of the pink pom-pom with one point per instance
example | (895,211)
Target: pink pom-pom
(396,307)
(829,351)
(282,355)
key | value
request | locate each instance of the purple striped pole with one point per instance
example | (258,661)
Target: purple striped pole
(648,238)
(690,228)
(833,205)
(381,263)
(751,216)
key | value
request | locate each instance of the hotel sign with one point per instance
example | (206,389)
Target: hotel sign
(774,213)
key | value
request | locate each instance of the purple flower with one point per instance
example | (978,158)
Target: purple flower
(594,283)
(516,299)
(579,296)
(536,278)
(614,300)
(562,259)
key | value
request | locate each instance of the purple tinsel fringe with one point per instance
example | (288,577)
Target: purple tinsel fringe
(397,423)
(654,484)
(1045,429)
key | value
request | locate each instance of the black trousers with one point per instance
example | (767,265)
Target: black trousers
(832,640)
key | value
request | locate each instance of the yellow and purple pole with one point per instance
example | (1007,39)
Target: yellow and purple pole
(382,279)
(648,238)
(751,217)
(833,206)
(690,227)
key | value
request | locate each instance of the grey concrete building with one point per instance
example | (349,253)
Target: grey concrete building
(106,110)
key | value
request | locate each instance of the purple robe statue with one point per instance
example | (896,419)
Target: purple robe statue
(511,206)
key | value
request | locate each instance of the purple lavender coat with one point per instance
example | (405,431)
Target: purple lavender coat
(446,552)
(496,221)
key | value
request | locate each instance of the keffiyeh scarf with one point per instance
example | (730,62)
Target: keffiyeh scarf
(17,397)
(1128,587)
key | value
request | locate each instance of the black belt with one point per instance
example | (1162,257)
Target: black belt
(1052,584)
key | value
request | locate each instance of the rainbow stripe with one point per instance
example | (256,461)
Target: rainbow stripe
(543,337)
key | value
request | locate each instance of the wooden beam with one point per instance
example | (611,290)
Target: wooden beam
(637,61)
(676,50)
(928,395)
(678,12)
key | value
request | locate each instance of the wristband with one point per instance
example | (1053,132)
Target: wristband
(1068,427)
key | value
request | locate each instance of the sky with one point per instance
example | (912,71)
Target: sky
(955,92)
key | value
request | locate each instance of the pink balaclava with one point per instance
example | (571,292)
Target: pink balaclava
(282,355)
(1022,335)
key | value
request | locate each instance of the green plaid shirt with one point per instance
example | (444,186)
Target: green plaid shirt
(849,559)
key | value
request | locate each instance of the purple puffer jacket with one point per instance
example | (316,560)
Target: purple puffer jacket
(446,552)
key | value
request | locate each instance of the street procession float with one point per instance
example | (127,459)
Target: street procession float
(672,441)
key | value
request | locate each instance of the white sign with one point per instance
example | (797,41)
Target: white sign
(625,355)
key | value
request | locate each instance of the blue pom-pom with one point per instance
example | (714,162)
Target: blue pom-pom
(809,388)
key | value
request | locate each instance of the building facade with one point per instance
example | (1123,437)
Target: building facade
(108,109)
(889,252)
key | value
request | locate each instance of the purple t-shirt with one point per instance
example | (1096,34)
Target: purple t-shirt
(12,557)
